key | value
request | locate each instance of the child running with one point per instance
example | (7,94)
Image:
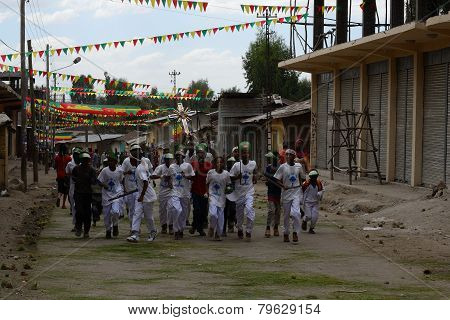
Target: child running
(162,172)
(312,195)
(216,183)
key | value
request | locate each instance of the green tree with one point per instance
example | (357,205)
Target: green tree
(83,83)
(283,82)
(202,85)
(234,89)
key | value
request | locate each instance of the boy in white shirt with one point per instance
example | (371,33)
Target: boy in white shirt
(129,170)
(245,176)
(216,183)
(111,179)
(144,202)
(162,172)
(178,204)
(312,195)
(291,175)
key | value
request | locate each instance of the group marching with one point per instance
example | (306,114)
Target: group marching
(220,189)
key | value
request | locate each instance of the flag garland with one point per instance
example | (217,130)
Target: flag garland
(185,5)
(252,8)
(323,9)
(74,78)
(157,39)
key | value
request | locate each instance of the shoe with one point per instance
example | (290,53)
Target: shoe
(210,233)
(164,229)
(202,233)
(108,234)
(171,229)
(86,236)
(302,213)
(230,229)
(248,236)
(58,202)
(294,237)
(115,231)
(152,236)
(217,237)
(192,230)
(187,223)
(267,233)
(286,238)
(311,231)
(176,237)
(78,233)
(134,238)
(276,233)
(240,234)
(73,230)
(304,225)
(63,207)
(180,234)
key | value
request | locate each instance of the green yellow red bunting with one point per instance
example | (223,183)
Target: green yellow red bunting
(252,8)
(175,4)
(157,39)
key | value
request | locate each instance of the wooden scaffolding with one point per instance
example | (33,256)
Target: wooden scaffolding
(352,133)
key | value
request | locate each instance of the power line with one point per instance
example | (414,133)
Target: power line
(41,35)
(8,46)
(34,19)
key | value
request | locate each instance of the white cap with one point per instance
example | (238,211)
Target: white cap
(290,151)
(135,147)
(85,155)
(313,173)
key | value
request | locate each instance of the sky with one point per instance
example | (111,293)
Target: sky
(218,58)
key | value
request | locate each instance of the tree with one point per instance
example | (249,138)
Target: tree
(205,92)
(283,82)
(83,83)
(234,89)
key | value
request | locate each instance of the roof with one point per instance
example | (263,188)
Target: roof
(92,138)
(4,120)
(8,97)
(400,41)
(295,109)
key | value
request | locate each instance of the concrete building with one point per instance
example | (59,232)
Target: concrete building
(402,75)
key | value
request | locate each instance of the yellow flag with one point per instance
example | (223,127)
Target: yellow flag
(227,28)
(71,50)
(152,3)
(185,4)
(90,47)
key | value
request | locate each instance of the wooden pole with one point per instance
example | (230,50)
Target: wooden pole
(47,108)
(23,93)
(32,143)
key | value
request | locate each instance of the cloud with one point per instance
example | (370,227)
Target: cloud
(59,16)
(4,15)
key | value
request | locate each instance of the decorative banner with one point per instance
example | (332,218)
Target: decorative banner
(323,9)
(158,39)
(73,78)
(186,5)
(252,8)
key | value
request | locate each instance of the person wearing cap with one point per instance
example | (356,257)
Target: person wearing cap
(129,166)
(235,154)
(143,207)
(162,172)
(230,205)
(199,201)
(84,177)
(111,179)
(245,176)
(69,168)
(291,175)
(312,195)
(181,174)
(216,184)
(273,197)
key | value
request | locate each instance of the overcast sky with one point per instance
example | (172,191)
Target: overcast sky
(77,22)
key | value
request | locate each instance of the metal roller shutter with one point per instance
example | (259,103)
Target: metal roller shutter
(434,125)
(330,120)
(325,105)
(447,160)
(403,150)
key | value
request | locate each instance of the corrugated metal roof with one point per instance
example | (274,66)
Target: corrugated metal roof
(295,109)
(92,138)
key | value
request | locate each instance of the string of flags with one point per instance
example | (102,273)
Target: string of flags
(157,39)
(323,9)
(251,8)
(75,78)
(186,5)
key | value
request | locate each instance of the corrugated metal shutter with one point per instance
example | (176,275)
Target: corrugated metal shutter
(434,125)
(377,100)
(447,166)
(403,150)
(324,106)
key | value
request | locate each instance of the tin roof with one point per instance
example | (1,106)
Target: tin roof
(294,109)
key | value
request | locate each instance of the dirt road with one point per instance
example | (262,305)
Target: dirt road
(341,261)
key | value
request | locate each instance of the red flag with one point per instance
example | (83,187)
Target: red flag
(205,5)
(58,51)
(41,53)
(232,28)
(199,33)
(3,57)
(77,49)
(215,30)
(116,43)
(97,46)
(190,4)
(135,41)
(169,37)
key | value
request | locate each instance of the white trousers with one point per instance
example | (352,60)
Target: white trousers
(163,215)
(111,213)
(186,205)
(72,203)
(291,209)
(143,209)
(216,218)
(311,214)
(245,205)
(130,202)
(176,213)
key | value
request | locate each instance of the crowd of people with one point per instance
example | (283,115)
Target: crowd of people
(219,188)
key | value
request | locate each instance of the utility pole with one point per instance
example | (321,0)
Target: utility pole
(267,15)
(293,31)
(23,93)
(47,108)
(174,74)
(32,143)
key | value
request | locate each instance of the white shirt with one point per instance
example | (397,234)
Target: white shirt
(162,171)
(113,179)
(289,176)
(130,182)
(181,185)
(217,185)
(312,195)
(69,169)
(243,186)
(143,174)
